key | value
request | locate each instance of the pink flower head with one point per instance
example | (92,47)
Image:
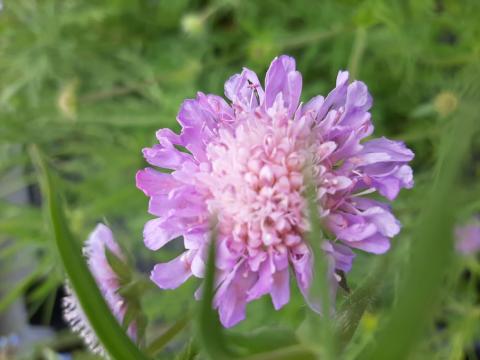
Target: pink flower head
(108,282)
(246,162)
(468,238)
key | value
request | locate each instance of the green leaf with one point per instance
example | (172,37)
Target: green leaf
(118,266)
(138,286)
(132,293)
(130,315)
(210,333)
(107,329)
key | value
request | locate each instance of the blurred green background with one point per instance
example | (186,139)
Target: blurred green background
(90,82)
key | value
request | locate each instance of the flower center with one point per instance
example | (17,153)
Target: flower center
(256,181)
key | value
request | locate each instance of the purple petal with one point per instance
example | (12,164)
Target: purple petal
(349,141)
(231,296)
(388,186)
(172,274)
(100,238)
(216,108)
(357,232)
(165,155)
(383,149)
(227,253)
(357,102)
(195,237)
(343,257)
(280,290)
(169,135)
(198,262)
(232,309)
(383,163)
(191,115)
(158,232)
(263,284)
(243,90)
(198,127)
(405,175)
(181,202)
(152,182)
(200,119)
(384,221)
(336,97)
(283,78)
(315,303)
(312,106)
(301,260)
(468,239)
(376,244)
(256,260)
(389,180)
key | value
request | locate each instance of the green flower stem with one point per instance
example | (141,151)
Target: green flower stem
(159,343)
(113,338)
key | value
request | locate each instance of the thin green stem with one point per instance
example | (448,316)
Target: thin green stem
(159,343)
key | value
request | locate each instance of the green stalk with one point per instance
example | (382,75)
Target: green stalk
(431,250)
(319,289)
(159,343)
(209,330)
(113,338)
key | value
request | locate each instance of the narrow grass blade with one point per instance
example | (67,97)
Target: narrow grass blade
(17,290)
(189,352)
(320,288)
(209,330)
(159,343)
(431,250)
(107,329)
(352,309)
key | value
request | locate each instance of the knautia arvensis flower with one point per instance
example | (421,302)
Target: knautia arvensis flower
(467,237)
(94,250)
(246,161)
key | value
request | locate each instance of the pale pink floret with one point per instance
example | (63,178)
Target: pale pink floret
(246,163)
(108,282)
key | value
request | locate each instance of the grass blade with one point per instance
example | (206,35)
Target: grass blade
(319,290)
(159,343)
(17,290)
(352,309)
(431,250)
(209,330)
(107,329)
